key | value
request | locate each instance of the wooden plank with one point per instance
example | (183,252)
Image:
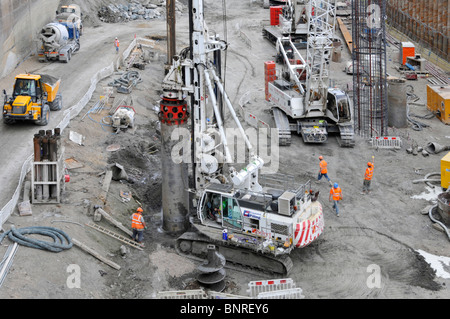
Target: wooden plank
(95,254)
(105,186)
(72,163)
(346,34)
(114,222)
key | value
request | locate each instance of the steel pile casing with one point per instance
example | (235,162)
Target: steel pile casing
(173,115)
(47,148)
(397,107)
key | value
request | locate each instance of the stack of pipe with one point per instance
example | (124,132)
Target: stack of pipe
(47,148)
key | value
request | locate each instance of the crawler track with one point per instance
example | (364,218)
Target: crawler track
(193,245)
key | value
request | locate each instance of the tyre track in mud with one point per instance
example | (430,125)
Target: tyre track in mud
(249,71)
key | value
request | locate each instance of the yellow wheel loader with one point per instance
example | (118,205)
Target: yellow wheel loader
(32,99)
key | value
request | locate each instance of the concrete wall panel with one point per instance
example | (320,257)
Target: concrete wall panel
(424,21)
(20,23)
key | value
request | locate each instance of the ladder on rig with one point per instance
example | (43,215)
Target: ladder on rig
(116,236)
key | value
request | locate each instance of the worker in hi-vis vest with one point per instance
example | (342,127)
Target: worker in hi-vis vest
(367,178)
(323,171)
(116,44)
(138,225)
(336,196)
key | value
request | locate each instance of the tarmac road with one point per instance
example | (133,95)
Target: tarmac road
(96,52)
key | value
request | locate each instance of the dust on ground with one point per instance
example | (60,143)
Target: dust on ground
(384,229)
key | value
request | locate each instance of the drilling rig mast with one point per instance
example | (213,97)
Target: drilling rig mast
(265,225)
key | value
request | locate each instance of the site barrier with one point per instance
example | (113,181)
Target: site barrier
(221,295)
(261,286)
(69,114)
(197,294)
(293,293)
(386,142)
(262,289)
(182,294)
(250,118)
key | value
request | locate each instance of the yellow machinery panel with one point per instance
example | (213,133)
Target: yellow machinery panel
(51,89)
(445,171)
(438,101)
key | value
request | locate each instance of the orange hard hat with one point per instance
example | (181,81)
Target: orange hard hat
(139,210)
(369,164)
(320,157)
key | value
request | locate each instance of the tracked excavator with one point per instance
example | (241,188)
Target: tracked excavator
(252,224)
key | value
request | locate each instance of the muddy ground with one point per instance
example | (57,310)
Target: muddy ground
(384,229)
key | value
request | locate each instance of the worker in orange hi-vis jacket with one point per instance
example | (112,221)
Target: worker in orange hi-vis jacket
(367,178)
(336,196)
(323,171)
(138,225)
(116,44)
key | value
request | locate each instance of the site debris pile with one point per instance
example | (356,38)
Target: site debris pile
(114,13)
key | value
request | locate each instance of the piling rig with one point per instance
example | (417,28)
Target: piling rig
(251,224)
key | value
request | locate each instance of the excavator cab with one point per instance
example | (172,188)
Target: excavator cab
(339,105)
(219,207)
(28,87)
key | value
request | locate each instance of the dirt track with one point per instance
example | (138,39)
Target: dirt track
(384,229)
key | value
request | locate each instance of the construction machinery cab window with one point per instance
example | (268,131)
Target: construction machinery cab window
(68,10)
(211,206)
(338,105)
(26,87)
(231,212)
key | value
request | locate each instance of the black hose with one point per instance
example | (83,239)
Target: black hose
(61,241)
(430,213)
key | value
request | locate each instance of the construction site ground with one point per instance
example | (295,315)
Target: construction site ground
(385,230)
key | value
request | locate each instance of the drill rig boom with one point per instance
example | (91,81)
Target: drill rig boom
(266,222)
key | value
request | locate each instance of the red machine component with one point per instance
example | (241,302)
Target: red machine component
(275,12)
(173,111)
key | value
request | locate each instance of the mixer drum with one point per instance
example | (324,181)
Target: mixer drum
(54,34)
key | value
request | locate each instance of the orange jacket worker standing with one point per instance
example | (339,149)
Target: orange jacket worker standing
(367,178)
(138,225)
(335,195)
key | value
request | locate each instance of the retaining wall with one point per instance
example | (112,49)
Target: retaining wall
(20,23)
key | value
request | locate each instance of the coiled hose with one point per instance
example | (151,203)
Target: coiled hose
(430,213)
(61,241)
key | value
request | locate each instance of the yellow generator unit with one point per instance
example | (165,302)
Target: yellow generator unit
(445,171)
(438,101)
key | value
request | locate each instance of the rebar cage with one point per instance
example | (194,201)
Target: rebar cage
(369,67)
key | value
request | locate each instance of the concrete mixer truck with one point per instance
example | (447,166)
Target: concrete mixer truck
(59,41)
(70,14)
